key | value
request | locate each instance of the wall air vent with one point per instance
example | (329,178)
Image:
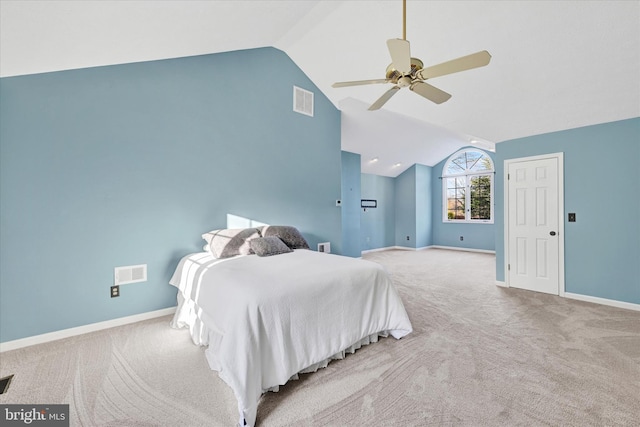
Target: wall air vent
(302,101)
(130,274)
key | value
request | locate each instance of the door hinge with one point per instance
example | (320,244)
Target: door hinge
(508,267)
(508,176)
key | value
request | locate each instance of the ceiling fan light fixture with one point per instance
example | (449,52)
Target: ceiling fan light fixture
(404,81)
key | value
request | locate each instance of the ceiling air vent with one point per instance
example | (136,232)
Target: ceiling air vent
(130,274)
(302,101)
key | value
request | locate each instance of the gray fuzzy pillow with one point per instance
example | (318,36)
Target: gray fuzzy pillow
(267,246)
(289,235)
(230,242)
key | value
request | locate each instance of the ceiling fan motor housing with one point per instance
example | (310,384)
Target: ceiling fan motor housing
(395,75)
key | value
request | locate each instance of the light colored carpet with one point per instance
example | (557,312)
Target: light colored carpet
(480,355)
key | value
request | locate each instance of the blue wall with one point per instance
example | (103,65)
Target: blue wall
(424,202)
(129,164)
(351,189)
(377,226)
(417,213)
(413,207)
(476,236)
(405,186)
(602,186)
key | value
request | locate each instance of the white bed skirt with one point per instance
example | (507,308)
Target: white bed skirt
(338,356)
(188,315)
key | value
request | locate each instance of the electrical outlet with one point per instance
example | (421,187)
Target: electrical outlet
(324,247)
(572,217)
(115,291)
(407,237)
(461,238)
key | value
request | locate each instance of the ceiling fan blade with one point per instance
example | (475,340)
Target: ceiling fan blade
(384,98)
(475,60)
(400,54)
(359,82)
(432,93)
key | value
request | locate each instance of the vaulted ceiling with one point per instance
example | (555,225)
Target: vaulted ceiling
(555,64)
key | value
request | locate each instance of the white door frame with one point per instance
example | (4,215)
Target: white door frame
(507,163)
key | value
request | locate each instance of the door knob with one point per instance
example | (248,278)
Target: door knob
(553,233)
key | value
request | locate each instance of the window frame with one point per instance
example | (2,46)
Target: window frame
(468,175)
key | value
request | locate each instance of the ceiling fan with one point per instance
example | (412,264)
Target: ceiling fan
(405,71)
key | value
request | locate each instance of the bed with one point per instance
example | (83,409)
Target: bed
(267,317)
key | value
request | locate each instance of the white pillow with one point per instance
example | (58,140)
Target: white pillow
(230,242)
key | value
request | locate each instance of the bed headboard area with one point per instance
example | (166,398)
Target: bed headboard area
(265,241)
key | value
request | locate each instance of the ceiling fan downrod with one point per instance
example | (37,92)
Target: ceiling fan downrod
(404,19)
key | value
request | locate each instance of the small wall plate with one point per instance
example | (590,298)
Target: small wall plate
(368,203)
(324,247)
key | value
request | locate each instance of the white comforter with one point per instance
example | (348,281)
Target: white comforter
(267,318)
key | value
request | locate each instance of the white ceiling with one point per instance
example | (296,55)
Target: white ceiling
(555,64)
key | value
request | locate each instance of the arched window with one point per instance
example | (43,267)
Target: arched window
(467,187)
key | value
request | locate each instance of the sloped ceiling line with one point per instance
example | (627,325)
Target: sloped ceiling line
(555,65)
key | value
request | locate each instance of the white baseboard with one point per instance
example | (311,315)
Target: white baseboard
(66,333)
(604,301)
(388,248)
(455,248)
(501,284)
(404,248)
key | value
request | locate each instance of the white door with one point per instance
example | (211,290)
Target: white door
(533,225)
